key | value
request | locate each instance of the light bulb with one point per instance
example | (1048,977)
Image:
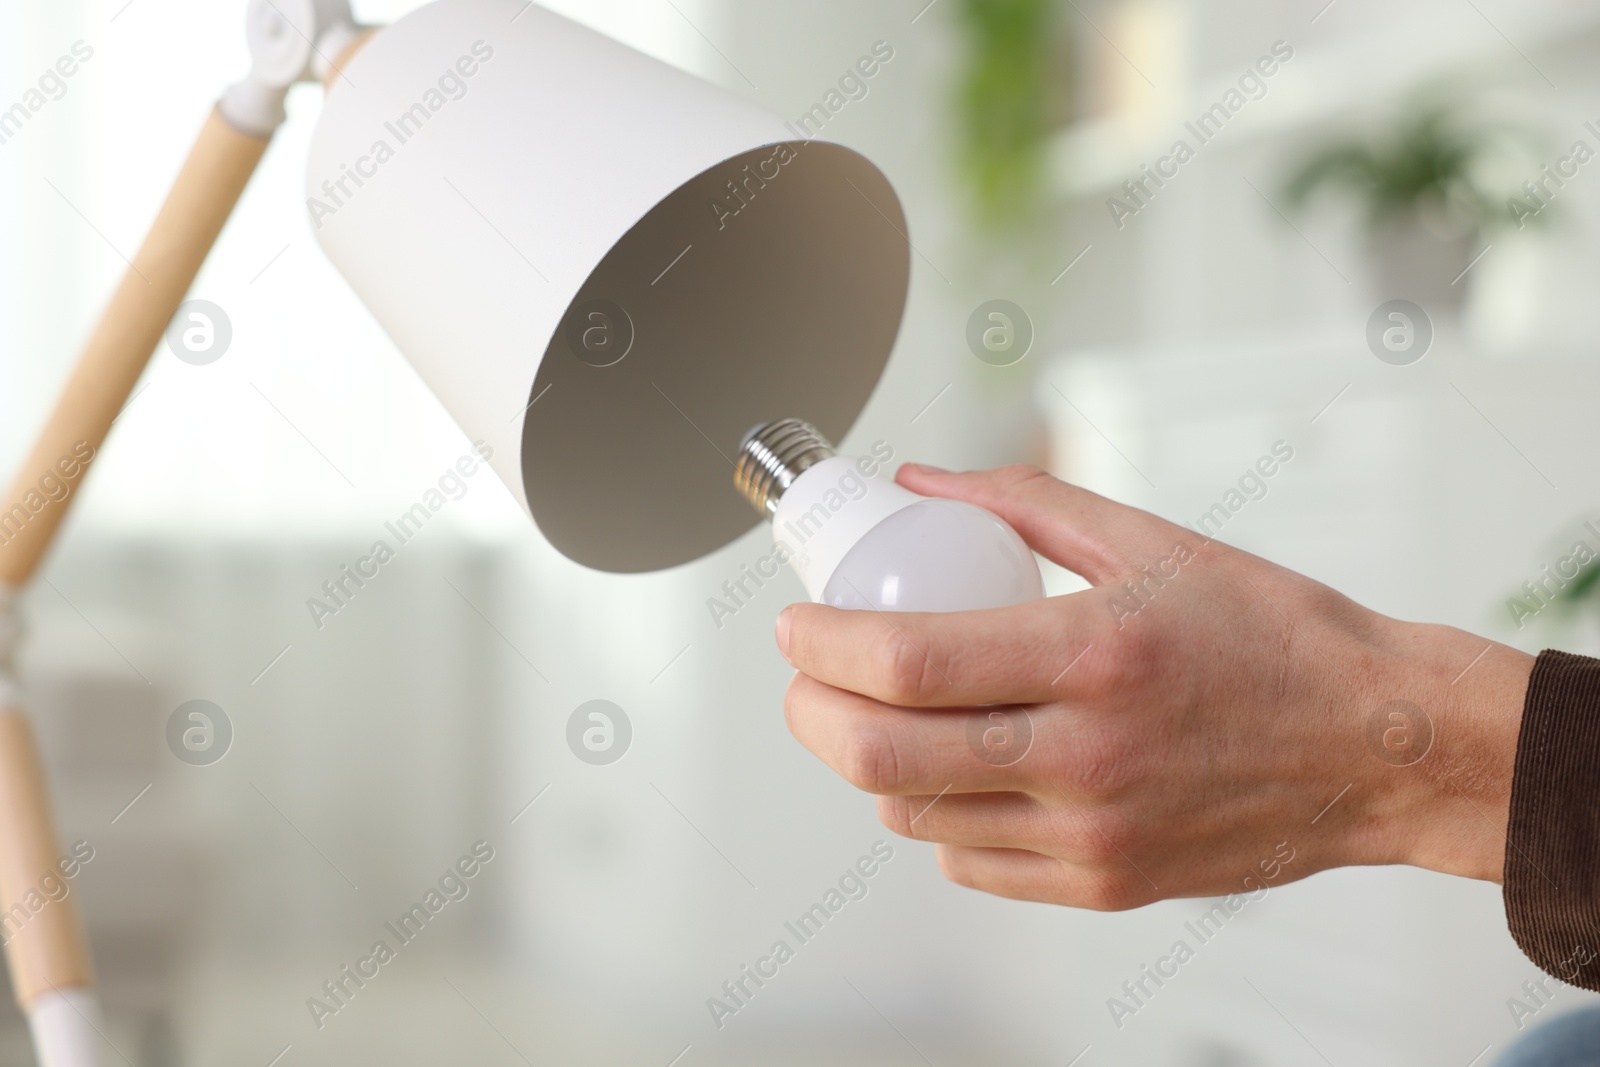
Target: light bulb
(857,541)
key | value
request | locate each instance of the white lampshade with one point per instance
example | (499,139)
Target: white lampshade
(518,199)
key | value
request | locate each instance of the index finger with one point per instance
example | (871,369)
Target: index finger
(1023,654)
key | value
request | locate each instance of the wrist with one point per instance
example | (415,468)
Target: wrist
(1448,805)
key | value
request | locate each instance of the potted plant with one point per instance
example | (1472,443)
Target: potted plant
(1428,208)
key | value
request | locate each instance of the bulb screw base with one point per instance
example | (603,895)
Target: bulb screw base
(772,456)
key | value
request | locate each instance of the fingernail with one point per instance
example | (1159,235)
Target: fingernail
(783,632)
(923,468)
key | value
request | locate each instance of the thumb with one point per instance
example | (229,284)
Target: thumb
(1082,531)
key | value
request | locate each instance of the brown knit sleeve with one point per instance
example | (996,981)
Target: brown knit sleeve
(1552,873)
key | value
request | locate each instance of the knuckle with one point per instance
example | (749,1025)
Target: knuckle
(872,761)
(1100,841)
(1100,766)
(1107,891)
(905,667)
(1018,474)
(897,815)
(1131,656)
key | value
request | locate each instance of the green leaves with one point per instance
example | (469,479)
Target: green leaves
(1427,165)
(1007,98)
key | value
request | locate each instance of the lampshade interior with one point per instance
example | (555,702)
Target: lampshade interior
(770,285)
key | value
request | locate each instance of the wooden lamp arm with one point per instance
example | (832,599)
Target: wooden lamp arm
(225,154)
(202,197)
(45,947)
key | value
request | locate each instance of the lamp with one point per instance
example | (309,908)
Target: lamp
(530,184)
(606,269)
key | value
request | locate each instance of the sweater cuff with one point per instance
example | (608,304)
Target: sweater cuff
(1552,872)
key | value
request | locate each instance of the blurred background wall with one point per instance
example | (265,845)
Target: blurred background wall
(1172,345)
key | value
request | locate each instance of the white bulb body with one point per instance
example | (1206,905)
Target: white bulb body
(936,555)
(860,542)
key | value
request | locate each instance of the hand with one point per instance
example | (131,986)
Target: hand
(1196,716)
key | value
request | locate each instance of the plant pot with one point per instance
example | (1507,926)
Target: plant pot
(1411,261)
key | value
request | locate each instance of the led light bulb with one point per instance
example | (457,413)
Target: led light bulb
(857,541)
